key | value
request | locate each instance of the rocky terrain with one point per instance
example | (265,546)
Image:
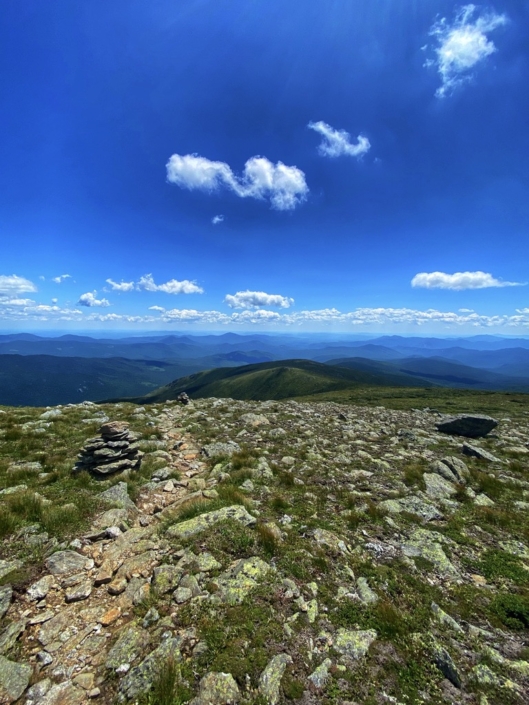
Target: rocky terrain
(262,553)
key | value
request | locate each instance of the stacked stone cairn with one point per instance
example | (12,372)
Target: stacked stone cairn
(114,451)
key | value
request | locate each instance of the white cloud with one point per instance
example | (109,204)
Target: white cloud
(459,281)
(284,186)
(173,286)
(462,45)
(6,301)
(337,143)
(157,308)
(89,299)
(256,299)
(120,286)
(61,278)
(13,285)
(217,219)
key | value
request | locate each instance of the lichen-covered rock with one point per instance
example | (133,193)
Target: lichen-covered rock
(270,680)
(427,545)
(6,593)
(219,450)
(140,678)
(320,675)
(65,693)
(166,578)
(366,595)
(328,539)
(132,640)
(14,679)
(437,487)
(242,577)
(446,619)
(41,588)
(10,634)
(202,522)
(480,453)
(7,567)
(118,494)
(412,505)
(469,425)
(446,665)
(217,689)
(354,643)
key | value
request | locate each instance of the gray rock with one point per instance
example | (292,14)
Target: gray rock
(200,523)
(442,469)
(118,494)
(354,643)
(458,468)
(469,425)
(217,689)
(44,658)
(140,678)
(166,578)
(79,592)
(475,452)
(365,593)
(6,593)
(63,694)
(64,562)
(413,505)
(7,567)
(445,664)
(14,679)
(320,675)
(41,588)
(38,691)
(13,490)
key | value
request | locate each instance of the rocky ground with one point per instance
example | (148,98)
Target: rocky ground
(263,553)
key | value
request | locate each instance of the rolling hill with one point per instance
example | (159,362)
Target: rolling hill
(277,380)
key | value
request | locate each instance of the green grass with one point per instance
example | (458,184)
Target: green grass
(495,564)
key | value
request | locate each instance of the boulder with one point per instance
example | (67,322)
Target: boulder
(475,452)
(14,679)
(217,689)
(469,425)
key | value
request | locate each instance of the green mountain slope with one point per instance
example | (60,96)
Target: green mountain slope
(275,380)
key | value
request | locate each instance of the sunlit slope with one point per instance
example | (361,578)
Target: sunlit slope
(276,380)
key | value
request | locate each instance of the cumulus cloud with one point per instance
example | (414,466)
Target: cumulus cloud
(217,219)
(120,286)
(459,281)
(462,44)
(89,299)
(257,299)
(157,308)
(12,285)
(337,143)
(61,278)
(284,186)
(173,286)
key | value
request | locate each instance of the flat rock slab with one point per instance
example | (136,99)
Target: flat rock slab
(270,680)
(64,562)
(41,588)
(14,679)
(437,487)
(202,522)
(412,505)
(218,450)
(428,545)
(139,679)
(471,426)
(475,452)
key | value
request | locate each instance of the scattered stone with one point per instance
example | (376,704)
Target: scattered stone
(366,595)
(445,664)
(10,634)
(471,426)
(412,505)
(183,399)
(437,487)
(110,616)
(7,567)
(427,545)
(481,500)
(270,680)
(14,679)
(128,647)
(13,490)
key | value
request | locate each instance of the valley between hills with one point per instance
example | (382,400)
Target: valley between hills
(341,551)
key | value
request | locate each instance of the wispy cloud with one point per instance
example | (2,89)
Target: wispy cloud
(257,299)
(462,44)
(217,219)
(146,283)
(120,286)
(284,186)
(337,143)
(459,281)
(61,278)
(89,299)
(12,285)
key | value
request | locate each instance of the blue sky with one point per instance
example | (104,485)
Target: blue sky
(329,165)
